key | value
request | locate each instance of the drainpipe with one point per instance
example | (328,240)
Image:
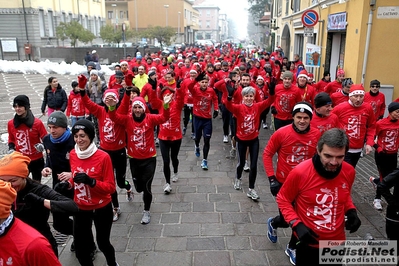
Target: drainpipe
(26,26)
(366,49)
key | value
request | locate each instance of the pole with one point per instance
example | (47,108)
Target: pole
(178,26)
(135,11)
(366,49)
(26,26)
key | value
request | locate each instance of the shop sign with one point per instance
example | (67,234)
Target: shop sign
(337,21)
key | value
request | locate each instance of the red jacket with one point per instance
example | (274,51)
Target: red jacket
(22,245)
(332,87)
(112,136)
(387,132)
(308,93)
(203,100)
(285,101)
(338,97)
(248,117)
(140,135)
(75,105)
(358,123)
(324,123)
(171,129)
(25,138)
(98,166)
(292,148)
(377,102)
(320,203)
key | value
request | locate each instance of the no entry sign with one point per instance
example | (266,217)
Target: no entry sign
(310,18)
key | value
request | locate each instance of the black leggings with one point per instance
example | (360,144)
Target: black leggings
(35,167)
(170,150)
(352,158)
(83,235)
(278,123)
(187,111)
(253,146)
(207,146)
(119,163)
(226,116)
(386,163)
(143,171)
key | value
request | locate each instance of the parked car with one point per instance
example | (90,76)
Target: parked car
(204,42)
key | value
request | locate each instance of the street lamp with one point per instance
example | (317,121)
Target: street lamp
(166,8)
(178,26)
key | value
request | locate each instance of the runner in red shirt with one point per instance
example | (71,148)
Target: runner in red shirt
(386,148)
(318,186)
(357,118)
(293,143)
(307,91)
(342,95)
(335,85)
(319,86)
(376,99)
(323,119)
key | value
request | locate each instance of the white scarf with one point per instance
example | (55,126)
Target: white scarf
(86,153)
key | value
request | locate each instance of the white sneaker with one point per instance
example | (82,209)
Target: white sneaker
(146,217)
(175,177)
(377,204)
(167,188)
(246,166)
(225,139)
(117,212)
(264,126)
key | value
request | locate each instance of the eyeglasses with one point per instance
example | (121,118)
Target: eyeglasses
(375,86)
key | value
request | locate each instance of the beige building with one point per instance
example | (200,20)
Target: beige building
(360,37)
(140,14)
(32,23)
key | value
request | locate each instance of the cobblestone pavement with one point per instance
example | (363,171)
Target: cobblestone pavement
(204,221)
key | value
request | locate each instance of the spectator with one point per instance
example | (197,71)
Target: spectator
(88,57)
(54,97)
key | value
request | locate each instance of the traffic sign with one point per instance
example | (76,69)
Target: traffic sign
(308,32)
(310,18)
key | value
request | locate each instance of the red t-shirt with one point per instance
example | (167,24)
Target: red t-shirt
(285,101)
(324,123)
(203,101)
(358,123)
(377,102)
(292,148)
(25,138)
(98,166)
(387,132)
(320,203)
(332,87)
(338,98)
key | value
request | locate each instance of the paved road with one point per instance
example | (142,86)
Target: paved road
(204,221)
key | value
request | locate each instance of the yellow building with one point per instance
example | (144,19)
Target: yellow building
(359,36)
(140,14)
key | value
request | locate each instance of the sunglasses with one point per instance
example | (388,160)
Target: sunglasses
(375,86)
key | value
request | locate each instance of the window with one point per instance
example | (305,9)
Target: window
(208,36)
(208,23)
(42,29)
(70,18)
(110,14)
(127,14)
(121,14)
(50,23)
(279,7)
(297,5)
(84,22)
(208,13)
(63,17)
(95,26)
(287,6)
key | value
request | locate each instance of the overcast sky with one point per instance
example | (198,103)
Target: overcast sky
(236,10)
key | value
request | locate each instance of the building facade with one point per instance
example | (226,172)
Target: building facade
(358,36)
(25,26)
(208,21)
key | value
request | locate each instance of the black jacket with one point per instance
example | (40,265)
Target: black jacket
(55,100)
(37,216)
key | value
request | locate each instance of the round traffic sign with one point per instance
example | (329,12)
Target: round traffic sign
(310,18)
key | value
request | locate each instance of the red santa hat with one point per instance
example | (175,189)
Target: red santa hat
(356,89)
(310,75)
(303,73)
(217,63)
(113,93)
(140,101)
(340,72)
